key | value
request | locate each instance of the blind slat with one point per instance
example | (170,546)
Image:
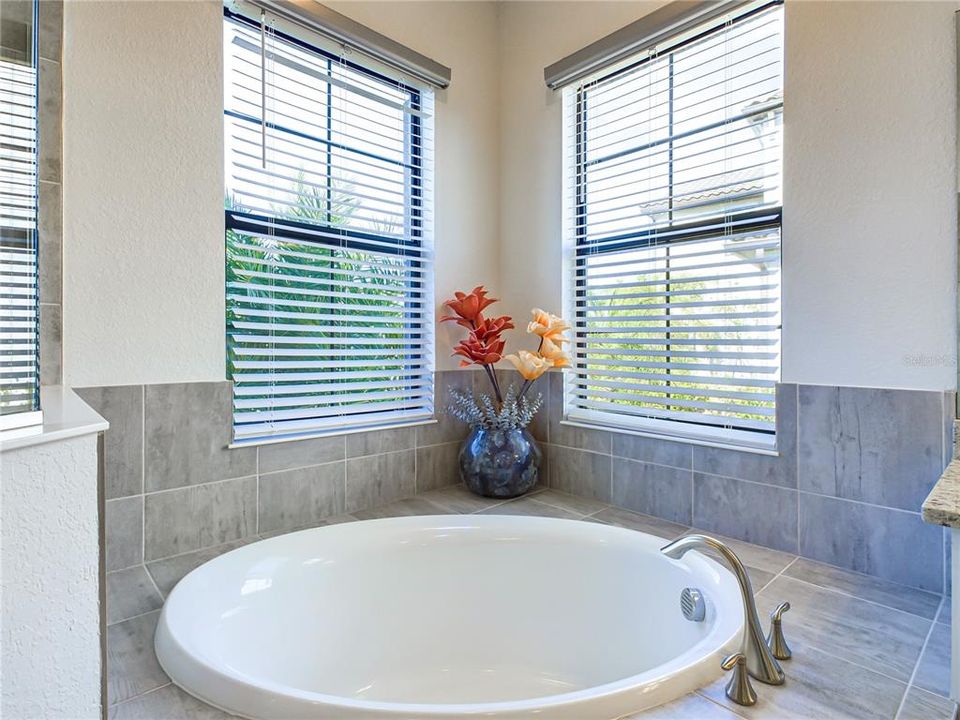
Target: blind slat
(19,316)
(328,240)
(672,165)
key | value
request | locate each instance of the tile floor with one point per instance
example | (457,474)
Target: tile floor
(863,647)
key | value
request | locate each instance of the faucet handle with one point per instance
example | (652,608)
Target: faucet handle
(775,639)
(739,688)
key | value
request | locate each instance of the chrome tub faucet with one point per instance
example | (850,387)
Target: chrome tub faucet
(755,657)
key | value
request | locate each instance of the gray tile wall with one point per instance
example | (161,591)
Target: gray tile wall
(50,191)
(173,486)
(852,469)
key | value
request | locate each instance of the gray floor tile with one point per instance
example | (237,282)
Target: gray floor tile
(921,705)
(132,667)
(570,503)
(529,506)
(167,703)
(875,637)
(458,499)
(689,707)
(933,672)
(167,573)
(130,592)
(403,508)
(883,592)
(819,687)
(641,523)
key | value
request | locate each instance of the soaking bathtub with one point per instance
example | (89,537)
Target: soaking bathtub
(447,617)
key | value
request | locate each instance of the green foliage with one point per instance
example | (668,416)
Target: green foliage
(332,301)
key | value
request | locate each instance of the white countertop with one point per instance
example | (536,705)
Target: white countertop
(65,415)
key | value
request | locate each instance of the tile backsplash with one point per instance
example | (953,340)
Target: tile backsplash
(845,488)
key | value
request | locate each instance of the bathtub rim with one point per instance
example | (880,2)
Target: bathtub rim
(722,638)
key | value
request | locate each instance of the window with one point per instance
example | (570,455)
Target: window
(673,210)
(328,217)
(19,299)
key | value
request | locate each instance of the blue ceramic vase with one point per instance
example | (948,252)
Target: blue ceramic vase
(500,463)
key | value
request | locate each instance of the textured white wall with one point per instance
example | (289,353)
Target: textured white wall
(870,230)
(49,609)
(143,275)
(870,209)
(143,177)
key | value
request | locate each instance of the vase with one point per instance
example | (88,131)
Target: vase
(500,463)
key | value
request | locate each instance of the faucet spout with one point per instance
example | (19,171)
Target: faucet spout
(760,661)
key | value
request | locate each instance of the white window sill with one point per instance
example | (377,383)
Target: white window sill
(722,439)
(65,416)
(254,442)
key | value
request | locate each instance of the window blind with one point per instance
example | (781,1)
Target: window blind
(673,211)
(19,301)
(328,217)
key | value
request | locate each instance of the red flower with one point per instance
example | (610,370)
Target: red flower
(483,345)
(468,307)
(478,352)
(491,328)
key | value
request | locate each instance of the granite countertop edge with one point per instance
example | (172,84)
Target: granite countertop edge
(942,506)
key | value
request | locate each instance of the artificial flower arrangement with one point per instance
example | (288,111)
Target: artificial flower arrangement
(484,346)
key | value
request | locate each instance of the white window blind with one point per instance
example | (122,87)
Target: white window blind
(328,216)
(673,206)
(19,321)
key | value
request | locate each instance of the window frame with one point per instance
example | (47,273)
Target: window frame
(764,218)
(337,237)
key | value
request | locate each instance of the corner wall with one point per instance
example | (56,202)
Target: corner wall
(870,204)
(143,174)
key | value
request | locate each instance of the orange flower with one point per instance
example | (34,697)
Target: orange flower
(468,307)
(554,352)
(529,365)
(548,326)
(491,328)
(478,352)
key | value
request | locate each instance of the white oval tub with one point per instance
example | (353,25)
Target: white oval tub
(447,617)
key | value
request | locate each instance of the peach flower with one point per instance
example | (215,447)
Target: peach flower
(548,326)
(529,365)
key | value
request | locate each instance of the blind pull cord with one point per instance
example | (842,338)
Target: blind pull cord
(263,89)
